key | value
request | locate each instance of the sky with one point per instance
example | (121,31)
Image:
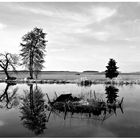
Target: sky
(81,36)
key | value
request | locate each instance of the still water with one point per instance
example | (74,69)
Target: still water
(17,119)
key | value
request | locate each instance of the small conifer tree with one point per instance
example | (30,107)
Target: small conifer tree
(111,71)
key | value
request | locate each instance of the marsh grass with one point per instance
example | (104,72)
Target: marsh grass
(89,106)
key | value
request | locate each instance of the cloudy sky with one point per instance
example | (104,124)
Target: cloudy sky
(81,36)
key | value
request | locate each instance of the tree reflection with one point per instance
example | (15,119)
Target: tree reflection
(85,83)
(8,99)
(33,110)
(111,92)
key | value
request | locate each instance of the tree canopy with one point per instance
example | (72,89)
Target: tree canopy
(111,71)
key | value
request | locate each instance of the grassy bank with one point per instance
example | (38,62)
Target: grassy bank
(72,77)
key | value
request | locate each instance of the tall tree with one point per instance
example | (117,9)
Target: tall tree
(33,49)
(8,60)
(111,71)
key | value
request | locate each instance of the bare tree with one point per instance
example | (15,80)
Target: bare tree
(8,61)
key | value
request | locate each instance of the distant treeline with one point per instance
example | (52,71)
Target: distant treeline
(69,72)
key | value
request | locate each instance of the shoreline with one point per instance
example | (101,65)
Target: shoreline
(79,82)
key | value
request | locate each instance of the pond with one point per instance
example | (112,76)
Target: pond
(24,112)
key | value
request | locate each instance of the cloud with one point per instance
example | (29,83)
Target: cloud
(2,26)
(102,35)
(34,10)
(96,35)
(51,12)
(133,39)
(133,47)
(40,11)
(92,14)
(57,50)
(102,13)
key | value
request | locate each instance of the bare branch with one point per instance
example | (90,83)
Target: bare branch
(8,60)
(2,64)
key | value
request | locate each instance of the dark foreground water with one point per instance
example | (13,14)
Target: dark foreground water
(23,112)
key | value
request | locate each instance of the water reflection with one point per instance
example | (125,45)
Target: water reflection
(85,83)
(112,94)
(91,108)
(8,99)
(33,110)
(76,116)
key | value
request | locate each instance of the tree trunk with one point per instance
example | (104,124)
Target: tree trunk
(5,93)
(31,99)
(7,75)
(31,73)
(31,65)
(36,74)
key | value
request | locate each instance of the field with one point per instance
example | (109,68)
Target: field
(70,76)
